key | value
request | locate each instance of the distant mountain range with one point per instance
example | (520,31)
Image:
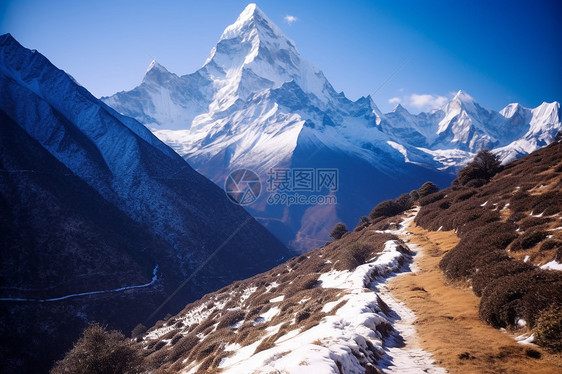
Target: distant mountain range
(257,104)
(101,221)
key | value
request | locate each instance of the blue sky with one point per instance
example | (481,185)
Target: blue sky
(497,51)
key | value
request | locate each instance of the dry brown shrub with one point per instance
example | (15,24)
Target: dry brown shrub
(522,295)
(183,347)
(100,351)
(230,318)
(551,244)
(264,345)
(548,330)
(426,200)
(491,273)
(530,222)
(169,335)
(529,239)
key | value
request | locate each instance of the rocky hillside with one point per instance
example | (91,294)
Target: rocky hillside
(318,311)
(329,310)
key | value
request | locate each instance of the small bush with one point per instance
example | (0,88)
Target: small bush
(426,200)
(99,351)
(466,195)
(480,170)
(493,272)
(362,224)
(524,295)
(405,201)
(138,330)
(231,318)
(548,331)
(159,345)
(338,231)
(309,282)
(533,353)
(183,346)
(550,244)
(176,339)
(355,255)
(387,208)
(427,188)
(530,222)
(529,239)
(301,316)
(264,345)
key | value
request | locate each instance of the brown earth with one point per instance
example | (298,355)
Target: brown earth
(448,325)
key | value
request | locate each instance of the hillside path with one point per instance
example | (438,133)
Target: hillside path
(446,316)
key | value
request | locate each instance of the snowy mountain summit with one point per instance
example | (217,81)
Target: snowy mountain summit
(253,54)
(255,103)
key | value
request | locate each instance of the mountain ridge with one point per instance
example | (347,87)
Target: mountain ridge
(256,103)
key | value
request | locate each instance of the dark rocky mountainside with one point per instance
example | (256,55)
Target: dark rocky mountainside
(92,201)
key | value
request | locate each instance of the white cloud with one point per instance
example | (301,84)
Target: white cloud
(426,101)
(290,19)
(416,103)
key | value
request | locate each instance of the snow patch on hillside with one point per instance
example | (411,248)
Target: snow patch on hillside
(353,337)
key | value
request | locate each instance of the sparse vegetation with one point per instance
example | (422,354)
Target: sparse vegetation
(405,201)
(231,318)
(99,351)
(479,171)
(362,224)
(387,208)
(138,330)
(427,188)
(338,231)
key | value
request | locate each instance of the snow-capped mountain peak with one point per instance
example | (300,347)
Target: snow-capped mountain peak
(511,109)
(253,19)
(154,65)
(156,72)
(253,54)
(400,109)
(464,97)
(463,117)
(256,104)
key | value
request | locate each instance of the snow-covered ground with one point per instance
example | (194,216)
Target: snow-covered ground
(353,336)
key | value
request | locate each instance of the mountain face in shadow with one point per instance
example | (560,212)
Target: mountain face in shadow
(101,221)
